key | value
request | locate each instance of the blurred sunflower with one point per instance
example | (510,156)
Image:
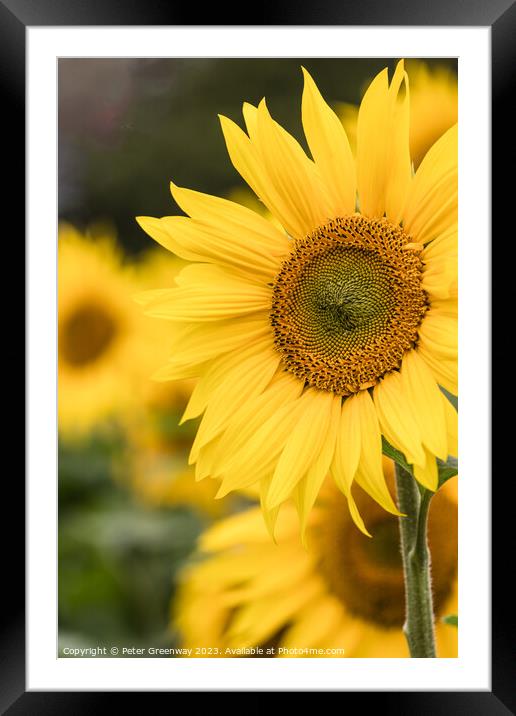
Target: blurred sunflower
(312,342)
(96,323)
(344,592)
(107,350)
(433,107)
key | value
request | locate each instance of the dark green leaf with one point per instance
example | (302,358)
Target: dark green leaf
(450,468)
(451,619)
(452,398)
(395,455)
(447,469)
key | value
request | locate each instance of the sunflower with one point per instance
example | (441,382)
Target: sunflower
(312,342)
(103,347)
(433,107)
(343,594)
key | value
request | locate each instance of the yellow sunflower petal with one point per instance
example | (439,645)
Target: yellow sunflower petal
(257,456)
(314,624)
(292,174)
(442,247)
(270,514)
(158,230)
(347,456)
(370,474)
(247,379)
(427,473)
(200,342)
(439,335)
(151,296)
(445,307)
(258,621)
(383,158)
(425,396)
(233,218)
(441,281)
(205,458)
(250,113)
(174,371)
(330,148)
(197,275)
(245,421)
(303,445)
(221,368)
(290,573)
(396,417)
(444,371)
(371,146)
(440,258)
(247,160)
(400,171)
(196,240)
(243,527)
(353,509)
(212,294)
(309,488)
(348,444)
(431,206)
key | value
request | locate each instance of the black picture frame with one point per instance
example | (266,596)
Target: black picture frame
(500,16)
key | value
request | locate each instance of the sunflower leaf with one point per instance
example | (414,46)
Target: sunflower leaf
(395,455)
(454,400)
(451,619)
(447,469)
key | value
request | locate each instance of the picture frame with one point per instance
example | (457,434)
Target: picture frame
(16,17)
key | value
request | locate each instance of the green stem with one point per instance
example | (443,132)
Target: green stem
(419,614)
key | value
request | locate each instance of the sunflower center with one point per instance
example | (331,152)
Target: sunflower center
(366,574)
(347,303)
(85,335)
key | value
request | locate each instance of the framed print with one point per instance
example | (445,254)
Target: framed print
(258,274)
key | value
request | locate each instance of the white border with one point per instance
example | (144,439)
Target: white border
(472,669)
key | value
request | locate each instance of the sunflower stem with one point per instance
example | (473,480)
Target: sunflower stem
(419,613)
